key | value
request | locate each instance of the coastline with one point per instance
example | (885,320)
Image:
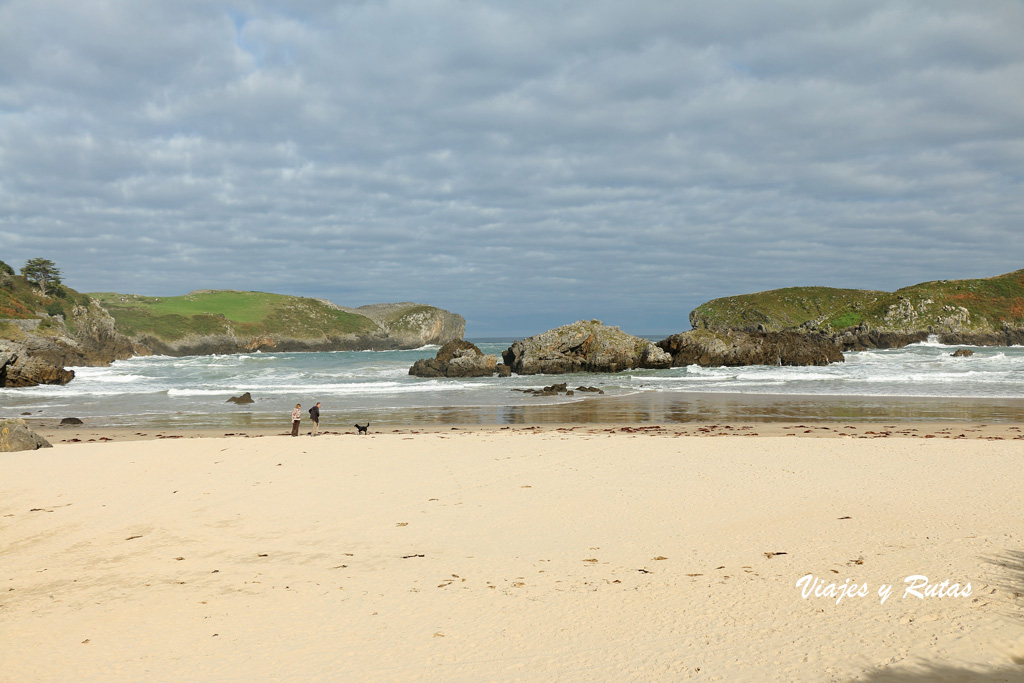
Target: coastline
(576,553)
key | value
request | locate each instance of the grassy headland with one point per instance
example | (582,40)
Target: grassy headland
(203,313)
(982,305)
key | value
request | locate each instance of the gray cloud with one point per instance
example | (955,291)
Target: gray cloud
(524,165)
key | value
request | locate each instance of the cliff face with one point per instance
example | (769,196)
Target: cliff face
(987,311)
(410,325)
(36,350)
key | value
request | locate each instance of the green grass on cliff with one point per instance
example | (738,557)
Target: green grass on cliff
(991,303)
(21,300)
(229,312)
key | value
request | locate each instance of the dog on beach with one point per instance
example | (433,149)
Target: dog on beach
(362,428)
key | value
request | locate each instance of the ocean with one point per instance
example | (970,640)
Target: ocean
(919,382)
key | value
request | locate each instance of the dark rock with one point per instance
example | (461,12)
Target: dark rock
(242,400)
(1009,336)
(583,346)
(503,370)
(16,436)
(553,390)
(594,390)
(457,358)
(71,421)
(711,349)
(28,363)
(427,367)
(861,339)
(962,353)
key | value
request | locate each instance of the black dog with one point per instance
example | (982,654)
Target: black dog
(362,428)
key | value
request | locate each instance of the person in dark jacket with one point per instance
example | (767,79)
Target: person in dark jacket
(314,415)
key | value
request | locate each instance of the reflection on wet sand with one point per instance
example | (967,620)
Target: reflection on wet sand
(641,408)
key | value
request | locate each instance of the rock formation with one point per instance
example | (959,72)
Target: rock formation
(37,350)
(456,359)
(295,324)
(16,436)
(962,353)
(242,400)
(409,326)
(863,337)
(977,312)
(733,348)
(561,388)
(583,346)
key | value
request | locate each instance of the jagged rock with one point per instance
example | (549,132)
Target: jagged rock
(42,348)
(862,338)
(457,358)
(16,436)
(583,346)
(70,421)
(503,370)
(712,349)
(242,400)
(593,390)
(22,366)
(1009,336)
(7,358)
(962,353)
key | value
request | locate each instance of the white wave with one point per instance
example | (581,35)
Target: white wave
(327,389)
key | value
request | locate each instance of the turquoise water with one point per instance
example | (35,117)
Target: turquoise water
(375,386)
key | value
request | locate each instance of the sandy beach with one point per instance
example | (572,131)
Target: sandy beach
(597,552)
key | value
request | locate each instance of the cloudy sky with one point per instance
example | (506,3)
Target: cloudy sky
(525,164)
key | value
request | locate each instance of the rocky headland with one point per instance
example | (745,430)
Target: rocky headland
(977,312)
(208,322)
(41,335)
(37,350)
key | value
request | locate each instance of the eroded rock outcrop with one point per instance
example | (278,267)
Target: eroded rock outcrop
(39,349)
(733,348)
(457,358)
(16,436)
(862,338)
(409,325)
(583,346)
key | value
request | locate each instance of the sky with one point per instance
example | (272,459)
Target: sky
(525,164)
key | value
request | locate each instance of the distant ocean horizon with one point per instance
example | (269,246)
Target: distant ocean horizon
(919,382)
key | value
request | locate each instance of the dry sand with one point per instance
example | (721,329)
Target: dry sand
(572,554)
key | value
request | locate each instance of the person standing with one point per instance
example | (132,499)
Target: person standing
(314,415)
(296,416)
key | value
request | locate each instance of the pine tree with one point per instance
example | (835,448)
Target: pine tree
(42,273)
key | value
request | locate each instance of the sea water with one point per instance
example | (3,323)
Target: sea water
(920,381)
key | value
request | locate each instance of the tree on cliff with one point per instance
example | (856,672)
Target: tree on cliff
(41,272)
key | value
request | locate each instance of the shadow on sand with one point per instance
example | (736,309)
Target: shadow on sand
(1010,578)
